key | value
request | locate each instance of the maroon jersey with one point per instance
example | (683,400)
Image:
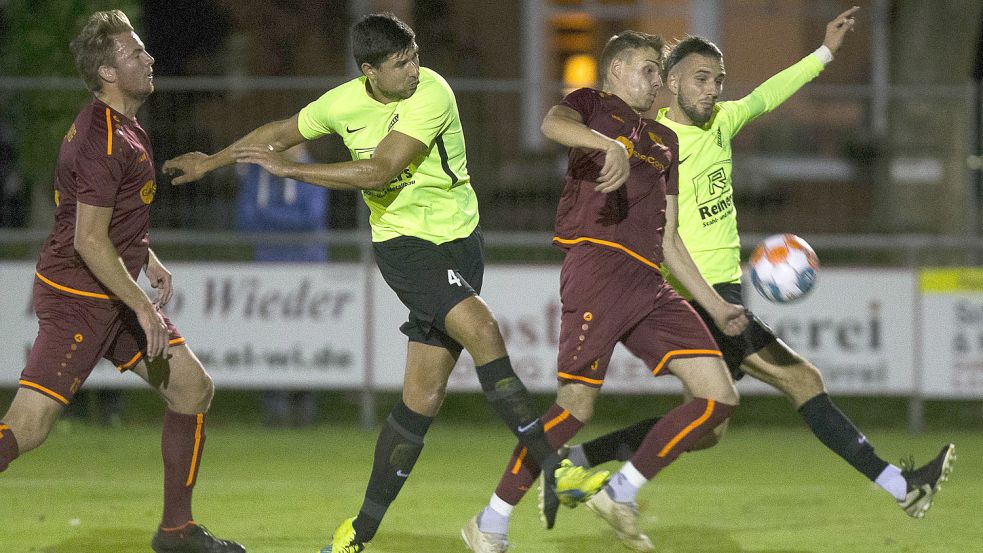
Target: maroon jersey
(632,218)
(105,160)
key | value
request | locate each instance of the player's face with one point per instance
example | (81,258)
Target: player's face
(639,79)
(696,83)
(133,66)
(397,77)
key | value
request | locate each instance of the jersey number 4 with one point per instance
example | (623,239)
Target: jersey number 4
(453,277)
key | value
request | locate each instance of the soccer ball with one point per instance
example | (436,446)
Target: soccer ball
(783,268)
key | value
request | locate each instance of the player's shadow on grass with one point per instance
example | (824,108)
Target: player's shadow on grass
(104,540)
(667,539)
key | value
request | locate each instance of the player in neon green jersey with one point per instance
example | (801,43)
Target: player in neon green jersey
(708,226)
(401,124)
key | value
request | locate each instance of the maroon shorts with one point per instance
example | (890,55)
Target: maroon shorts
(74,332)
(607,298)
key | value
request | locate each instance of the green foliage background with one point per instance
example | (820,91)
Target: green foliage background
(36,45)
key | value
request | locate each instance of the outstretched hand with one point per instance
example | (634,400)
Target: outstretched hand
(264,156)
(837,29)
(731,320)
(185,168)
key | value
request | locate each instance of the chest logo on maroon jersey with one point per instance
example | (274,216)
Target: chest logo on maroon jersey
(656,139)
(148,191)
(72,131)
(628,144)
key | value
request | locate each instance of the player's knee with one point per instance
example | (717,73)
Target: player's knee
(711,439)
(578,400)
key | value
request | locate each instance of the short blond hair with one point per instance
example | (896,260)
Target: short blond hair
(94,46)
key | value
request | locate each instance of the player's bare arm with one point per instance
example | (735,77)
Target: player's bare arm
(565,126)
(837,29)
(730,318)
(94,246)
(159,277)
(395,153)
(278,135)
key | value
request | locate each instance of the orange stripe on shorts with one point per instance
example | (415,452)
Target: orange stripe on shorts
(50,393)
(567,376)
(688,352)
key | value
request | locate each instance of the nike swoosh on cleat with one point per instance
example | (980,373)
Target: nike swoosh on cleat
(400,473)
(350,130)
(524,429)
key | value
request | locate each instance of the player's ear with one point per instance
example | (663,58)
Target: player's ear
(107,73)
(672,81)
(367,69)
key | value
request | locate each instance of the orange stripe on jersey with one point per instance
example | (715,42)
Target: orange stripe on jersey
(518,462)
(567,376)
(50,393)
(194,456)
(676,353)
(564,415)
(615,245)
(83,293)
(109,133)
(706,415)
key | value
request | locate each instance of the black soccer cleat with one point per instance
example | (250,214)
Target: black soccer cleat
(549,502)
(926,481)
(197,539)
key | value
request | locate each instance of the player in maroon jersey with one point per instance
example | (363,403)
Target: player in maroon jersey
(88,302)
(616,232)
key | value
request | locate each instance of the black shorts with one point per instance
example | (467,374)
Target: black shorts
(430,279)
(755,337)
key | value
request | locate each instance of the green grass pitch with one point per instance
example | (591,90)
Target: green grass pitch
(764,490)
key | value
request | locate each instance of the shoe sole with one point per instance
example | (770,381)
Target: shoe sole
(547,512)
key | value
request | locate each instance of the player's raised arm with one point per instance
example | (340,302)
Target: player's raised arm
(566,126)
(274,136)
(730,318)
(395,152)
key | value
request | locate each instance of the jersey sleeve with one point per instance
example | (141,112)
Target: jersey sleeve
(770,94)
(672,174)
(584,101)
(99,168)
(427,113)
(316,118)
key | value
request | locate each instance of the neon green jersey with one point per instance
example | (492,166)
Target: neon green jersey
(432,199)
(707,215)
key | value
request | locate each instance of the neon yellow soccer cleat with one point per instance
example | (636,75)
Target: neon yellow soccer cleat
(343,540)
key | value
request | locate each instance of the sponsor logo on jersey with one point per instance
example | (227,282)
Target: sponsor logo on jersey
(148,192)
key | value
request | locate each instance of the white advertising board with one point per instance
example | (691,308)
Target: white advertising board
(952,333)
(857,326)
(251,325)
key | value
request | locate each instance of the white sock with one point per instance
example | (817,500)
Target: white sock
(624,485)
(893,482)
(577,456)
(494,519)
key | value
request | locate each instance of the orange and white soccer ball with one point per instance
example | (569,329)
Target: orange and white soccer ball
(783,268)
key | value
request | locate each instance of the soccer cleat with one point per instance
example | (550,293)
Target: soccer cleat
(575,485)
(623,518)
(343,540)
(196,539)
(549,502)
(926,481)
(483,542)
